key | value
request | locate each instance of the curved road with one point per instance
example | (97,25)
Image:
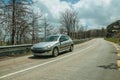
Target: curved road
(92,60)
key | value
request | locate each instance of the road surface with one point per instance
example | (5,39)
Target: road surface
(92,60)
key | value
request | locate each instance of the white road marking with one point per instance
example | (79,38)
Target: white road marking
(20,71)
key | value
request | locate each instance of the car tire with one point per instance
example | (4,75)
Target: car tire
(55,52)
(71,48)
(35,56)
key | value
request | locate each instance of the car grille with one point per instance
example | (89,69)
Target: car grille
(39,50)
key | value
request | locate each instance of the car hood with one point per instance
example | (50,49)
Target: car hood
(44,44)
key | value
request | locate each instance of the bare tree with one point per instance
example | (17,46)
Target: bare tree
(15,17)
(69,19)
(3,22)
(46,26)
(35,24)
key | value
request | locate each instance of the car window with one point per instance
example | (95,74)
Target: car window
(64,38)
(67,37)
(51,38)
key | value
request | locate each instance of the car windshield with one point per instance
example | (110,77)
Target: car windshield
(51,38)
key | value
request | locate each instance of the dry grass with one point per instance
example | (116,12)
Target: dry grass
(115,40)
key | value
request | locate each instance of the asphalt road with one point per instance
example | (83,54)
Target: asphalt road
(92,60)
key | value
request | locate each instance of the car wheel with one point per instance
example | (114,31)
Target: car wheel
(35,55)
(55,52)
(71,48)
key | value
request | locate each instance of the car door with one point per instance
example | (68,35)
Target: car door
(68,42)
(63,43)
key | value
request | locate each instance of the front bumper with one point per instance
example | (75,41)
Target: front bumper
(42,52)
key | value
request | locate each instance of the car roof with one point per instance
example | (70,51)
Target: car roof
(59,35)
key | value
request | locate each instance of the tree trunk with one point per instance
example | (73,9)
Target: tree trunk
(13,25)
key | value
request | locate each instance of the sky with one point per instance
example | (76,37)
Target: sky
(92,13)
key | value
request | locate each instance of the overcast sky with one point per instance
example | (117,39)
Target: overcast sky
(92,13)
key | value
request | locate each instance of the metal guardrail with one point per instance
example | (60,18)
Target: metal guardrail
(14,49)
(81,40)
(20,49)
(14,46)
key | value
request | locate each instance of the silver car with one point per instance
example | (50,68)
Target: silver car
(53,45)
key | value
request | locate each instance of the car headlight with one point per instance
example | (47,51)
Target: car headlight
(47,47)
(32,47)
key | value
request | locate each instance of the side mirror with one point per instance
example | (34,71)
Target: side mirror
(61,40)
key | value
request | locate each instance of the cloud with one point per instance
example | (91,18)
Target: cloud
(71,1)
(98,12)
(55,7)
(94,13)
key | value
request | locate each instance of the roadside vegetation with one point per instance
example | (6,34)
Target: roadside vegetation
(113,32)
(2,43)
(80,41)
(115,40)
